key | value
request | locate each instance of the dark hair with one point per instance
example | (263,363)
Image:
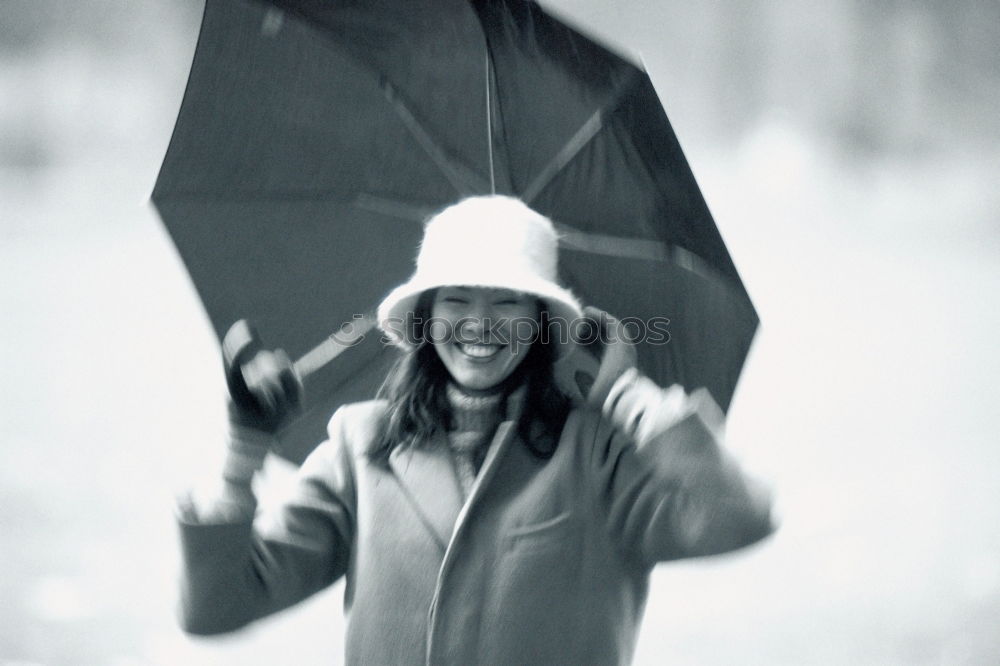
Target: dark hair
(418,405)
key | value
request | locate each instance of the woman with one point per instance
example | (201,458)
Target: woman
(481,511)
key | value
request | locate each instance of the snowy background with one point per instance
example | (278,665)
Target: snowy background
(850,151)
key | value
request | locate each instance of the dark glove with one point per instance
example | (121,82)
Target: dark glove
(263,385)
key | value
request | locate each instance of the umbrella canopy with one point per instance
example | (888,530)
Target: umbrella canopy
(315,136)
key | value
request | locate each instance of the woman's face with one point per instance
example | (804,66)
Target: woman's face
(481,334)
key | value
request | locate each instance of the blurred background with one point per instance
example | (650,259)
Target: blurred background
(850,151)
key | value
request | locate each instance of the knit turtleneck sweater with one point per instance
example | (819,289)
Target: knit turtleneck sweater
(474,419)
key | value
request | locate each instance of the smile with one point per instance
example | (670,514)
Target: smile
(479,352)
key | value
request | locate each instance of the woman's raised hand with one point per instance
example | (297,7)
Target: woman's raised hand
(274,389)
(602,354)
(603,374)
(264,390)
(264,387)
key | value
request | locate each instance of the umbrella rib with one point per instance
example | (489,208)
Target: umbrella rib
(405,210)
(349,335)
(393,208)
(461,178)
(489,125)
(583,136)
(636,248)
(587,131)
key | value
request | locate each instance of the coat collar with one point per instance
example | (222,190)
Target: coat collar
(427,475)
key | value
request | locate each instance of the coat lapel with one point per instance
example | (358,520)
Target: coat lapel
(428,480)
(427,476)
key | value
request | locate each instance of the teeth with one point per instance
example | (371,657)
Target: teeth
(479,351)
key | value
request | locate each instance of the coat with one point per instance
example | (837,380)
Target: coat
(546,562)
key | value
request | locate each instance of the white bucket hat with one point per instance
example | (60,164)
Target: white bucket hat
(483,241)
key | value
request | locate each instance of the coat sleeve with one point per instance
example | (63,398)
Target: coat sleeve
(234,573)
(679,495)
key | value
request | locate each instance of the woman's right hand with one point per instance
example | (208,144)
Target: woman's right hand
(264,391)
(270,391)
(264,387)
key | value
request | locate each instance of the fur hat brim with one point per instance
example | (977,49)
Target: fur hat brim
(398,309)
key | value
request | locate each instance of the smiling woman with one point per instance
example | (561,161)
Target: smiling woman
(479,512)
(472,322)
(481,350)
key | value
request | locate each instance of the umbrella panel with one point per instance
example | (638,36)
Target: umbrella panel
(426,50)
(710,328)
(289,115)
(292,268)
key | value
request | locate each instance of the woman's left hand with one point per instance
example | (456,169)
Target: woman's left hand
(641,409)
(587,373)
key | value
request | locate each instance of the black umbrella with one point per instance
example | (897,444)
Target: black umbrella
(316,135)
